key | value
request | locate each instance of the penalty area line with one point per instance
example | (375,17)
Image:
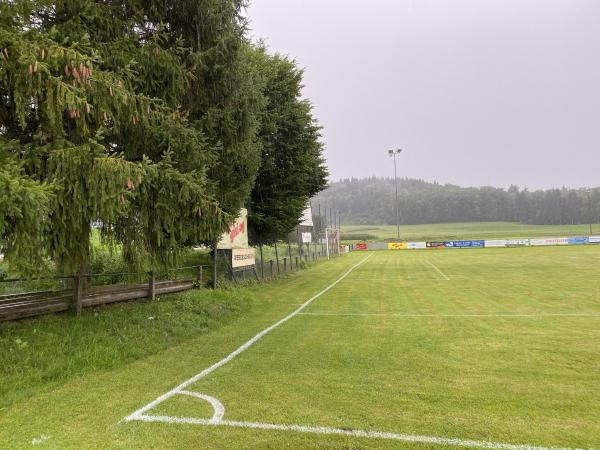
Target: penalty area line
(135,415)
(350,432)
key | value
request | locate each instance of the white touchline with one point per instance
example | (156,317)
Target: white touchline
(439,271)
(447,315)
(352,432)
(137,414)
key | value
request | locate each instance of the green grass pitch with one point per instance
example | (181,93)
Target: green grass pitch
(455,348)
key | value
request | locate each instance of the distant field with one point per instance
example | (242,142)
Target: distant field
(438,349)
(466,230)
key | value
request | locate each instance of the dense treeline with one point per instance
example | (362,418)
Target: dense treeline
(153,119)
(371,201)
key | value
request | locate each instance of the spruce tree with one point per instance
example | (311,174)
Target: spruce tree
(292,167)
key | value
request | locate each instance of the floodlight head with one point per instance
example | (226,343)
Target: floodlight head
(391,152)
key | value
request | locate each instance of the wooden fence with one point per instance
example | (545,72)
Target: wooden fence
(28,304)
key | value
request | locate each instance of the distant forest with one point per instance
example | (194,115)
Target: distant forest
(371,201)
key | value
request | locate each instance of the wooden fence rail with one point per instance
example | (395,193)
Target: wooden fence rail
(28,304)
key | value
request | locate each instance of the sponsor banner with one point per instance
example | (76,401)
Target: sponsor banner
(518,243)
(496,243)
(360,246)
(378,246)
(397,246)
(578,240)
(416,245)
(594,240)
(237,237)
(243,257)
(306,238)
(344,248)
(464,244)
(549,241)
(435,244)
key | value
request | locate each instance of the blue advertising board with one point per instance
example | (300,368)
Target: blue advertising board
(578,240)
(464,244)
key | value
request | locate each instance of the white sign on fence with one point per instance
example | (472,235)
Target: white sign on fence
(306,238)
(242,257)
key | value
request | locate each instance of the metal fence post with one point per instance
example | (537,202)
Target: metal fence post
(199,275)
(152,286)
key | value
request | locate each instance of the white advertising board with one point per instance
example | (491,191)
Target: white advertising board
(594,240)
(416,245)
(237,237)
(549,241)
(306,238)
(496,243)
(242,257)
(517,243)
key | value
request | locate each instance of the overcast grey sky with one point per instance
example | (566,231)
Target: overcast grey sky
(477,92)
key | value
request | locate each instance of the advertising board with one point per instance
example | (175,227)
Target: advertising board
(594,240)
(549,241)
(496,243)
(378,246)
(360,246)
(237,237)
(435,244)
(578,240)
(243,257)
(416,245)
(306,237)
(464,244)
(517,243)
(397,246)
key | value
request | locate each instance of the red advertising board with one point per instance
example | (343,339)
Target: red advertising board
(360,246)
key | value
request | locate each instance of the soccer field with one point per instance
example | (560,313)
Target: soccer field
(486,348)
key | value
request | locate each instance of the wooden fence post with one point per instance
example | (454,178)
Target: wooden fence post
(296,263)
(77,293)
(285,264)
(271,264)
(152,285)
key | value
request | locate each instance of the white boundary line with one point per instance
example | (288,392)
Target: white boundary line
(436,268)
(354,433)
(137,415)
(447,315)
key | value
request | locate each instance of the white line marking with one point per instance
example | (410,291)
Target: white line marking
(351,432)
(436,268)
(135,415)
(446,315)
(40,440)
(218,407)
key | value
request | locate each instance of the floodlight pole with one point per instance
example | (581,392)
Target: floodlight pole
(394,153)
(590,218)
